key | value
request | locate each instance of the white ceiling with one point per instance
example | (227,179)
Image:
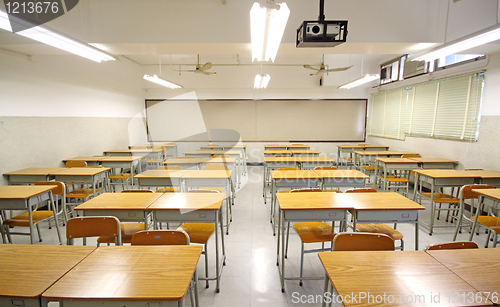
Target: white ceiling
(176,31)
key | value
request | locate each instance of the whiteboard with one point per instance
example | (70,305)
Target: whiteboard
(256,120)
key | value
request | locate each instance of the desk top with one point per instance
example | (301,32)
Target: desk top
(448,173)
(383,153)
(310,201)
(315,159)
(275,146)
(35,171)
(124,273)
(217,152)
(120,158)
(491,193)
(199,160)
(487,174)
(28,270)
(305,151)
(222,147)
(277,152)
(206,174)
(293,174)
(378,201)
(341,174)
(188,201)
(297,146)
(362,146)
(434,160)
(86,159)
(478,267)
(120,201)
(81,171)
(169,145)
(395,275)
(396,160)
(161,174)
(130,151)
(23,191)
(281,159)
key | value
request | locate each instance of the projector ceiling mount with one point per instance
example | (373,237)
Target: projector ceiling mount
(321,32)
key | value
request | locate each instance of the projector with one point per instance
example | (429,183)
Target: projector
(317,33)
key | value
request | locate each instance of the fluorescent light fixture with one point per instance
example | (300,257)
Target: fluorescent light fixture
(261,81)
(267,27)
(50,37)
(470,41)
(161,81)
(367,78)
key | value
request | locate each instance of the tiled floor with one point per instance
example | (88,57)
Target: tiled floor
(251,277)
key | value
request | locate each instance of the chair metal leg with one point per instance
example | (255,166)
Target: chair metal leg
(287,236)
(206,266)
(301,261)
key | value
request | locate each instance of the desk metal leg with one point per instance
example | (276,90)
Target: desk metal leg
(325,289)
(54,210)
(416,233)
(282,222)
(196,293)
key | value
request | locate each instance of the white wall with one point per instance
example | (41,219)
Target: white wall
(60,107)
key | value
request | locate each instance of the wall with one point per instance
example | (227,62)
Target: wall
(480,154)
(58,107)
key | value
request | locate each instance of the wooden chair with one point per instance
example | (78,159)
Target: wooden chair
(452,245)
(168,190)
(310,232)
(200,233)
(76,164)
(38,216)
(465,193)
(362,241)
(93,226)
(170,167)
(377,227)
(411,156)
(160,237)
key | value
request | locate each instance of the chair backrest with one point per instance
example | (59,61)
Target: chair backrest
(216,166)
(168,190)
(170,167)
(361,190)
(93,226)
(452,245)
(325,168)
(411,156)
(136,191)
(160,237)
(202,191)
(76,164)
(306,190)
(362,241)
(467,193)
(60,189)
(288,169)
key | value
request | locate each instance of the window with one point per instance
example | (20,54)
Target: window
(460,59)
(393,70)
(444,109)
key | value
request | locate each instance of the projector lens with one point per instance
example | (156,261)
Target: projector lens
(315,29)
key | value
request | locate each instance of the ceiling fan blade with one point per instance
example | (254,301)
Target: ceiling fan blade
(319,72)
(310,67)
(207,66)
(339,69)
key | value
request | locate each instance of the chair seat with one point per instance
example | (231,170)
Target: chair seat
(368,167)
(219,189)
(22,220)
(120,176)
(442,198)
(168,190)
(379,228)
(154,161)
(492,222)
(198,232)
(127,229)
(394,179)
(81,193)
(313,232)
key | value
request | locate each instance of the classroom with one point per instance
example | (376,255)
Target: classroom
(56,106)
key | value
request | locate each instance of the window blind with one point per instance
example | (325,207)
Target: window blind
(445,109)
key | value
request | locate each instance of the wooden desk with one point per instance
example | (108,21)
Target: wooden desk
(312,162)
(90,160)
(272,163)
(132,162)
(290,179)
(349,149)
(28,270)
(83,175)
(209,178)
(231,153)
(32,175)
(274,146)
(241,148)
(492,195)
(161,178)
(342,178)
(25,198)
(362,157)
(480,267)
(386,165)
(170,149)
(391,278)
(197,208)
(305,153)
(185,164)
(115,275)
(143,153)
(274,152)
(385,207)
(301,207)
(127,207)
(435,163)
(438,179)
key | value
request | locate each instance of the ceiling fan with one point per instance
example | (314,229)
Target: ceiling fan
(323,68)
(201,69)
